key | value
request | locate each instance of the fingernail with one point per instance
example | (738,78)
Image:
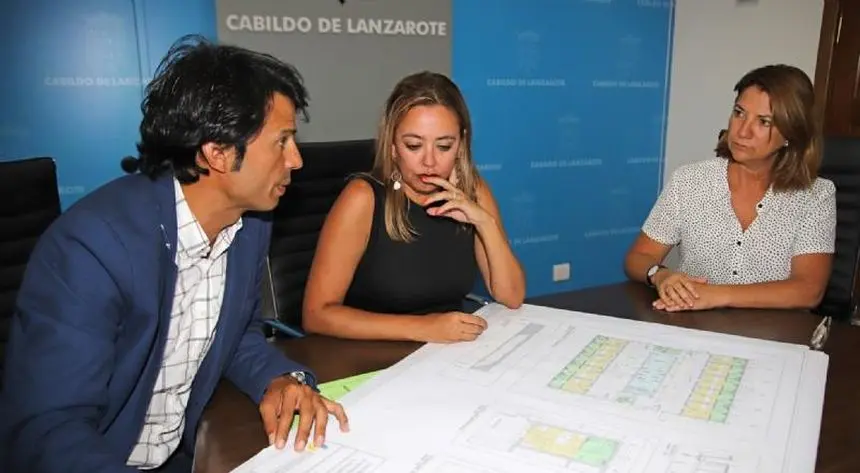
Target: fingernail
(279,444)
(319,442)
(300,445)
(271,439)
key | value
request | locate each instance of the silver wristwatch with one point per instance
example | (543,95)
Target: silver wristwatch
(300,376)
(651,272)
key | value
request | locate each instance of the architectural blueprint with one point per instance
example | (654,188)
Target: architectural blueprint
(548,390)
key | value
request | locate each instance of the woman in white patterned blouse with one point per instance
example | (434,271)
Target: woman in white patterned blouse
(755,226)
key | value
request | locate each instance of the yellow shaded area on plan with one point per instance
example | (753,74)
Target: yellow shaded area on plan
(554,440)
(587,449)
(715,391)
(579,375)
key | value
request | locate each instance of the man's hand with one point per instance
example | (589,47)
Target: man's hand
(284,397)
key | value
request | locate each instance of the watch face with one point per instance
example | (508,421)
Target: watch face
(299,376)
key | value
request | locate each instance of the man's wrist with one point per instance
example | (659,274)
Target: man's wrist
(299,378)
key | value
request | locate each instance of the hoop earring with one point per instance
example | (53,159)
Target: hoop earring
(396,177)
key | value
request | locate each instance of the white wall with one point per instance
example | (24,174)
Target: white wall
(715,43)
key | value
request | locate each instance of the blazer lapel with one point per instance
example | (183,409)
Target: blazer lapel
(158,263)
(166,201)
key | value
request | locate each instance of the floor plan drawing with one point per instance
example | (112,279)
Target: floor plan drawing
(441,464)
(537,442)
(551,391)
(683,460)
(511,346)
(640,374)
(332,458)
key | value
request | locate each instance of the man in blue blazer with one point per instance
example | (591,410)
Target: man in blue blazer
(146,292)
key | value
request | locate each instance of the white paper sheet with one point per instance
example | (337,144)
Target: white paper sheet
(548,390)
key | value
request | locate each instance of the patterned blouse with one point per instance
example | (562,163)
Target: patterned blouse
(695,212)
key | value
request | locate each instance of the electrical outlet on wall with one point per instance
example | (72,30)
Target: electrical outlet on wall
(560,272)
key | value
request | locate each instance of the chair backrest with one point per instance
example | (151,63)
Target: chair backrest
(841,164)
(29,203)
(298,219)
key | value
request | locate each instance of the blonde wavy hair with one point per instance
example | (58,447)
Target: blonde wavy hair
(420,89)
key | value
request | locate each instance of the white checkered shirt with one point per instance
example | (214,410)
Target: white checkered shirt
(196,305)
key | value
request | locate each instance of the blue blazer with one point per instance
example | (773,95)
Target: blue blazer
(88,335)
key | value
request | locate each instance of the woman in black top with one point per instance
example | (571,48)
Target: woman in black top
(403,245)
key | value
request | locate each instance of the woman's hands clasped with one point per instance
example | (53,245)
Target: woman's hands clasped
(681,292)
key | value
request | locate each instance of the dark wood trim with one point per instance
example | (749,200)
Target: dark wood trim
(826,43)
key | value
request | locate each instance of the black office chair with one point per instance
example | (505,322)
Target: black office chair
(841,164)
(29,203)
(296,225)
(297,222)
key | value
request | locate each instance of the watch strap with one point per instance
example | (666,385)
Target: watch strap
(649,274)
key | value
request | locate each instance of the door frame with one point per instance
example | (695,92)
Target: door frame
(830,17)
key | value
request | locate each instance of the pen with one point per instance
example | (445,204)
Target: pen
(478,299)
(820,334)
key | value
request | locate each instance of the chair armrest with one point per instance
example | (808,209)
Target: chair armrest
(269,308)
(283,328)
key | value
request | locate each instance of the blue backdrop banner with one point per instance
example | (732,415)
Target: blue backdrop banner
(569,101)
(78,70)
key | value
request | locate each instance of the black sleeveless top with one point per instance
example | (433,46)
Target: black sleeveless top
(432,273)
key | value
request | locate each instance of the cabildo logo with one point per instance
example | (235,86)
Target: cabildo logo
(71,190)
(569,140)
(528,52)
(628,55)
(334,25)
(528,65)
(521,213)
(535,239)
(565,163)
(655,3)
(489,167)
(608,232)
(643,160)
(625,84)
(104,56)
(77,81)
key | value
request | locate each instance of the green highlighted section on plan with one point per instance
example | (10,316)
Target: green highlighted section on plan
(696,385)
(716,388)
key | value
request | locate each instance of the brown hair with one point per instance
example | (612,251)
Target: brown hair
(423,88)
(792,102)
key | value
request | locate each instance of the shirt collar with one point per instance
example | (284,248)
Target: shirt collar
(192,241)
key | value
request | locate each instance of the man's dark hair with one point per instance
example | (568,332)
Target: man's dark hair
(209,93)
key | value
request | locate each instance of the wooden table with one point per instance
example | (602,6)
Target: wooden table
(231,430)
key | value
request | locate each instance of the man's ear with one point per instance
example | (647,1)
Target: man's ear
(215,157)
